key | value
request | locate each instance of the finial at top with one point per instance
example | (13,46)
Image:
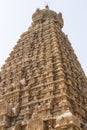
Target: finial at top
(47,7)
(46,3)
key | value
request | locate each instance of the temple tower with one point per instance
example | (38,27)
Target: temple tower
(42,84)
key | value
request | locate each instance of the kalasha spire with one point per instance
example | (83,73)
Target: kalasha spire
(42,84)
(47,7)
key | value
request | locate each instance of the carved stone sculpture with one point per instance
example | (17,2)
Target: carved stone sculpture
(42,84)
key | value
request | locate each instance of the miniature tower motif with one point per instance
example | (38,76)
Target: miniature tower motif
(42,84)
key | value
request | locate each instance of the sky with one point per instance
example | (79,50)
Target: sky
(16,18)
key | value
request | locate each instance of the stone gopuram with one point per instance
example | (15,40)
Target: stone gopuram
(42,84)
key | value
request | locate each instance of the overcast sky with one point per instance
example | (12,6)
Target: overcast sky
(16,17)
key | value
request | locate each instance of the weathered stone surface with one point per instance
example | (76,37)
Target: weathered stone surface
(42,84)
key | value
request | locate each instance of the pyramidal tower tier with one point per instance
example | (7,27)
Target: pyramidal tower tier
(42,84)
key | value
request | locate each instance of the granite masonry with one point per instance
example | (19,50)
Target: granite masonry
(42,84)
